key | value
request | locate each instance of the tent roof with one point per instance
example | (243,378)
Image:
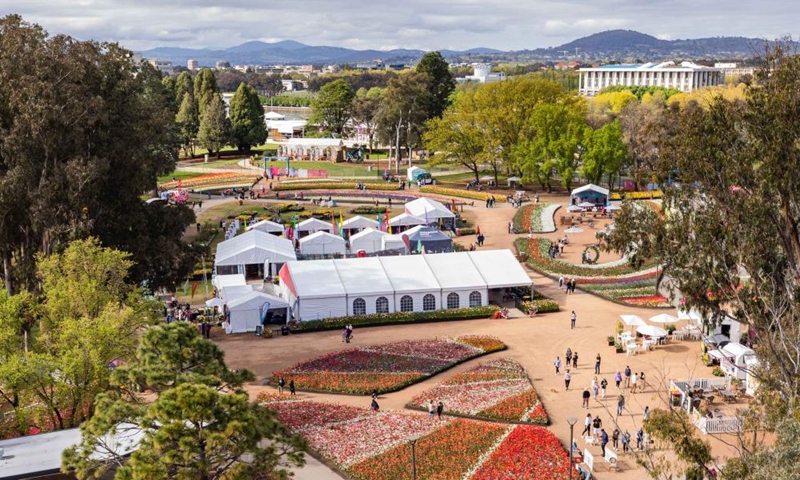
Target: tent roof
(359,222)
(736,349)
(316,279)
(322,238)
(426,234)
(234,291)
(500,268)
(406,219)
(315,142)
(590,187)
(409,273)
(274,116)
(313,224)
(222,281)
(254,300)
(254,247)
(363,276)
(455,271)
(427,208)
(266,226)
(367,233)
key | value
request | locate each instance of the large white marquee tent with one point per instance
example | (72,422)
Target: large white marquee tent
(254,248)
(336,288)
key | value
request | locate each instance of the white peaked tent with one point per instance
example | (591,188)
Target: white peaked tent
(274,116)
(406,220)
(322,243)
(228,294)
(429,210)
(267,226)
(369,240)
(222,281)
(312,225)
(359,223)
(247,311)
(252,248)
(394,242)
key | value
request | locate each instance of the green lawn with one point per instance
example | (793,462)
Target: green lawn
(219,163)
(256,150)
(178,175)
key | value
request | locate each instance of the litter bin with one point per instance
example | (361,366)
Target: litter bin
(285,330)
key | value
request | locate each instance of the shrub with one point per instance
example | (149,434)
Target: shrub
(285,207)
(541,306)
(396,317)
(368,210)
(467,231)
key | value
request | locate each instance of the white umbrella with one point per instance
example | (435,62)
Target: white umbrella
(663,318)
(574,208)
(651,331)
(586,204)
(690,315)
(633,320)
(215,302)
(612,208)
(573,230)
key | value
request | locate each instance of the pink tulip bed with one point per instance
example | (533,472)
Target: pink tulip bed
(370,445)
(387,367)
(497,390)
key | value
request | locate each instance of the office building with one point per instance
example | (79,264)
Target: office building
(685,77)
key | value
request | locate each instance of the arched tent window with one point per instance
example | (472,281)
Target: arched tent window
(453,300)
(382,305)
(428,303)
(475,299)
(406,303)
(359,306)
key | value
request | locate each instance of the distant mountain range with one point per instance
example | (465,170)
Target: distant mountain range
(609,45)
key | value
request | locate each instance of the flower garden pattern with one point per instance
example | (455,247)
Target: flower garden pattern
(214,180)
(386,367)
(535,218)
(496,390)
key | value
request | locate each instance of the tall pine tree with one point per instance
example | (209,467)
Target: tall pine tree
(215,128)
(247,118)
(188,119)
(205,89)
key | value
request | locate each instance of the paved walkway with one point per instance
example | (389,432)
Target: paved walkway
(534,342)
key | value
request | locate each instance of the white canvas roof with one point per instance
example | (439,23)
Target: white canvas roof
(266,226)
(233,292)
(315,142)
(426,208)
(322,238)
(254,247)
(222,281)
(316,279)
(736,350)
(255,300)
(369,240)
(363,276)
(359,222)
(455,271)
(273,116)
(393,242)
(500,268)
(314,225)
(406,219)
(590,187)
(286,126)
(409,274)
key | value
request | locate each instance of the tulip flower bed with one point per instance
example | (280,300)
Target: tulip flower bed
(531,218)
(214,180)
(528,452)
(497,390)
(454,192)
(385,368)
(448,453)
(394,317)
(283,187)
(636,195)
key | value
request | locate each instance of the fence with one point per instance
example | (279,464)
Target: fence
(719,425)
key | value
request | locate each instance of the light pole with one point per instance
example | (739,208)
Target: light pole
(413,441)
(572,421)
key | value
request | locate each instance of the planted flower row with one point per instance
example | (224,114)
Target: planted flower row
(529,218)
(384,368)
(498,390)
(334,186)
(213,180)
(454,192)
(549,462)
(539,259)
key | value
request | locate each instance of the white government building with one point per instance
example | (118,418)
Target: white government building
(685,77)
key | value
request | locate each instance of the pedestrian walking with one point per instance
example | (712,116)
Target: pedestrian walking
(641,382)
(603,387)
(615,438)
(640,439)
(567,378)
(603,441)
(595,388)
(618,378)
(596,425)
(586,396)
(587,425)
(626,441)
(572,285)
(557,364)
(646,414)
(292,391)
(575,361)
(572,319)
(597,364)
(344,334)
(281,384)
(439,409)
(627,376)
(620,404)
(568,356)
(431,409)
(561,281)
(633,382)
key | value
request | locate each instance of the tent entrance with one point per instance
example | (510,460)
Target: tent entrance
(254,271)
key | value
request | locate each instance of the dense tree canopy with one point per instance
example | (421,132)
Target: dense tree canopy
(205,89)
(441,82)
(247,118)
(84,132)
(215,127)
(333,107)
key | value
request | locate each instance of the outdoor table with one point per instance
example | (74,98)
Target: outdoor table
(632,347)
(648,344)
(728,395)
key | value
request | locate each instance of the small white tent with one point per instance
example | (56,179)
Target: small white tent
(228,294)
(252,248)
(358,223)
(369,240)
(222,281)
(247,311)
(267,226)
(307,227)
(429,210)
(322,243)
(394,242)
(405,220)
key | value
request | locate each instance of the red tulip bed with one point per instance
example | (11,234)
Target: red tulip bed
(497,390)
(374,445)
(387,367)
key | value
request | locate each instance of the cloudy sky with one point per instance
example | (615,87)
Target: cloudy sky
(387,24)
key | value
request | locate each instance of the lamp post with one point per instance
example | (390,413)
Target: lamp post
(413,441)
(572,421)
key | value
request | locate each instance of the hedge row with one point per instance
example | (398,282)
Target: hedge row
(542,306)
(394,318)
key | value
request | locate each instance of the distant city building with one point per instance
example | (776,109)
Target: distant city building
(163,66)
(395,66)
(376,65)
(567,65)
(193,65)
(482,73)
(733,70)
(292,85)
(685,77)
(221,65)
